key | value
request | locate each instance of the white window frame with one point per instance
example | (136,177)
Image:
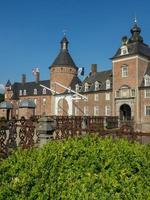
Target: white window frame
(86,87)
(20,92)
(147,93)
(77,87)
(96,110)
(133,92)
(147,110)
(44,90)
(124,71)
(24,92)
(107,84)
(147,80)
(107,96)
(107,110)
(35,91)
(97,85)
(96,97)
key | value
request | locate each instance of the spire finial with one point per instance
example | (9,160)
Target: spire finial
(135,19)
(64,32)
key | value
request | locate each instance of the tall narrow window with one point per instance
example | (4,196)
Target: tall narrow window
(107,84)
(147,110)
(147,81)
(107,96)
(107,110)
(96,110)
(124,71)
(96,97)
(97,85)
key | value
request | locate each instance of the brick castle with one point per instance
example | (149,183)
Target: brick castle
(123,91)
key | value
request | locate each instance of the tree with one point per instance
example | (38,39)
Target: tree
(1,97)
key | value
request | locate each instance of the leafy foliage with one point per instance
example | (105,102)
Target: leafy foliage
(1,97)
(85,168)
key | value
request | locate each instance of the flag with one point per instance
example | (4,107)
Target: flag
(81,71)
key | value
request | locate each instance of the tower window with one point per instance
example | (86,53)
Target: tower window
(124,71)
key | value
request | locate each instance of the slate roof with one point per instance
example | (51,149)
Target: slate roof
(135,48)
(135,44)
(101,77)
(8,83)
(64,58)
(29,87)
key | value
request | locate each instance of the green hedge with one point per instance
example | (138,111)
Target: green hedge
(84,168)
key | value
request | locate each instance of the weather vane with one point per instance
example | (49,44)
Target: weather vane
(64,32)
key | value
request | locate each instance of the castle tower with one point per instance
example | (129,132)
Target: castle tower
(129,66)
(8,90)
(63,69)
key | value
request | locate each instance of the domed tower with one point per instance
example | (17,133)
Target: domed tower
(130,63)
(63,70)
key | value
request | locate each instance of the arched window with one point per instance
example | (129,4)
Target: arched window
(44,90)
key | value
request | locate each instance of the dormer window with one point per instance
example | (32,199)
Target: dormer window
(35,91)
(77,87)
(20,92)
(107,84)
(97,85)
(124,50)
(147,80)
(86,87)
(24,92)
(44,90)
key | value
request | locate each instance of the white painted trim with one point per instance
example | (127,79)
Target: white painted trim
(130,58)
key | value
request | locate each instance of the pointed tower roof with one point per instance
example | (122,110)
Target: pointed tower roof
(64,58)
(8,84)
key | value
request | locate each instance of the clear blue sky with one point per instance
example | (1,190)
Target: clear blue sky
(30,32)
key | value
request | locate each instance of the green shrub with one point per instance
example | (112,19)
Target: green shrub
(85,168)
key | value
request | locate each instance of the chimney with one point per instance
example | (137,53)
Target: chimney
(23,78)
(94,68)
(37,76)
